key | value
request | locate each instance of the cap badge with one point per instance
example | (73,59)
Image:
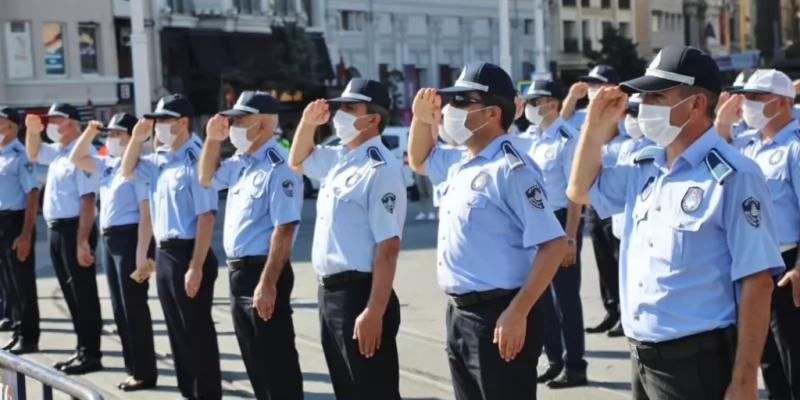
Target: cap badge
(692,199)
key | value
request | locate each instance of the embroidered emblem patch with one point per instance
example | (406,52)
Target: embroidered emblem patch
(776,157)
(480,181)
(647,188)
(692,199)
(388,201)
(535,196)
(352,179)
(29,167)
(751,208)
(108,172)
(259,178)
(550,154)
(288,188)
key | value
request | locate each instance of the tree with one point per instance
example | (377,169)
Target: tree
(619,52)
(295,57)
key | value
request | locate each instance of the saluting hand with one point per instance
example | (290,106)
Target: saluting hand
(264,300)
(426,104)
(730,109)
(192,280)
(510,331)
(520,103)
(579,90)
(93,127)
(606,109)
(368,331)
(141,132)
(85,257)
(33,123)
(792,278)
(316,113)
(217,128)
(22,245)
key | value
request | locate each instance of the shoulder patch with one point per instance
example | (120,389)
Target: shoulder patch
(17,151)
(274,157)
(191,156)
(375,157)
(720,168)
(512,156)
(564,133)
(647,154)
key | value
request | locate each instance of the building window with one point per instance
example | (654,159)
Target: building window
(605,4)
(570,37)
(606,27)
(624,4)
(586,28)
(19,50)
(247,7)
(625,29)
(179,6)
(87,36)
(655,21)
(528,27)
(53,43)
(353,20)
(585,3)
(568,3)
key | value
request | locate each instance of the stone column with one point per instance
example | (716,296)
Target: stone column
(466,39)
(400,29)
(434,45)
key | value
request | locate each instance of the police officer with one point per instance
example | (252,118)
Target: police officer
(360,216)
(699,247)
(729,122)
(183,222)
(19,202)
(124,220)
(69,210)
(775,146)
(587,86)
(265,200)
(500,242)
(552,145)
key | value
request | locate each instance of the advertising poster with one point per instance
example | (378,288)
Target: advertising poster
(52,39)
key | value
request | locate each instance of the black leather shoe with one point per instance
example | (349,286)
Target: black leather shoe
(134,385)
(608,322)
(61,364)
(24,348)
(616,331)
(6,325)
(83,365)
(11,343)
(549,374)
(568,379)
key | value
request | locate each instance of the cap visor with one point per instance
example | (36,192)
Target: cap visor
(732,88)
(345,100)
(590,79)
(648,84)
(741,90)
(59,116)
(113,128)
(234,113)
(157,116)
(456,89)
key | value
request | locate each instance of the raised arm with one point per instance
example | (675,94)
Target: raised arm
(420,141)
(80,153)
(141,132)
(729,112)
(576,92)
(33,138)
(216,132)
(317,113)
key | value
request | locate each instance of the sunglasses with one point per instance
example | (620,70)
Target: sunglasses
(461,101)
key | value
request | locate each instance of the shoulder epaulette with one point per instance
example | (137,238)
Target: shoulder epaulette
(16,150)
(797,132)
(274,157)
(564,133)
(512,156)
(647,154)
(191,156)
(375,157)
(720,168)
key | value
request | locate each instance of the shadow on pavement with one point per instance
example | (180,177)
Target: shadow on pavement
(610,354)
(622,386)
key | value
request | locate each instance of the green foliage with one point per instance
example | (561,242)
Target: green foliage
(295,58)
(619,52)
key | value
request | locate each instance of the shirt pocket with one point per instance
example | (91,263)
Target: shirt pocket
(688,241)
(471,207)
(648,236)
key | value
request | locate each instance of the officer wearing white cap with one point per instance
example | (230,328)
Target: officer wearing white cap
(729,122)
(127,235)
(19,203)
(69,210)
(265,200)
(500,241)
(183,214)
(775,146)
(699,248)
(360,216)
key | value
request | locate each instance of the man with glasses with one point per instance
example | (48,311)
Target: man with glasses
(552,146)
(500,243)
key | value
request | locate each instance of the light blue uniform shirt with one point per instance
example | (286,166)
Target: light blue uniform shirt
(17,177)
(263,192)
(66,184)
(119,198)
(779,159)
(494,215)
(627,150)
(577,119)
(553,152)
(438,189)
(688,237)
(176,196)
(361,202)
(613,149)
(738,129)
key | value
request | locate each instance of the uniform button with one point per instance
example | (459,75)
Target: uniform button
(635,317)
(658,208)
(641,284)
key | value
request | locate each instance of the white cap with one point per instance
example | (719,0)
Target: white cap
(768,81)
(636,98)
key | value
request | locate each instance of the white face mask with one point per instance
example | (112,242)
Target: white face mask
(239,138)
(164,133)
(592,92)
(444,136)
(114,146)
(753,113)
(454,123)
(654,123)
(532,114)
(53,134)
(345,125)
(632,127)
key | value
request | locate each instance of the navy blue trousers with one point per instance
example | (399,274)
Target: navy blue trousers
(19,280)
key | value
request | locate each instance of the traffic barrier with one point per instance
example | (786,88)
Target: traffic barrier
(16,369)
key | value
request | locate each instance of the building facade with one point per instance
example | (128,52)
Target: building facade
(657,24)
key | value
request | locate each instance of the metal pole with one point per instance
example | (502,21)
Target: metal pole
(505,37)
(141,64)
(371,56)
(540,53)
(744,11)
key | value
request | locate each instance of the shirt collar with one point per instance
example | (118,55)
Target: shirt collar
(552,130)
(493,147)
(696,152)
(10,146)
(786,133)
(261,153)
(68,147)
(360,151)
(184,149)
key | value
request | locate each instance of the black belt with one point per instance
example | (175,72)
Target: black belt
(10,213)
(683,347)
(473,298)
(343,277)
(247,262)
(61,222)
(175,243)
(119,228)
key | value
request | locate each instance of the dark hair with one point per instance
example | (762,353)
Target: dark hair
(383,112)
(711,98)
(508,108)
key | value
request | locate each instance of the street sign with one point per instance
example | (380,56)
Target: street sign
(125,92)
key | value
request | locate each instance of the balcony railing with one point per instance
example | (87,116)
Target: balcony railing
(571,46)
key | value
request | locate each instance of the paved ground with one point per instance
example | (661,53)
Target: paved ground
(424,370)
